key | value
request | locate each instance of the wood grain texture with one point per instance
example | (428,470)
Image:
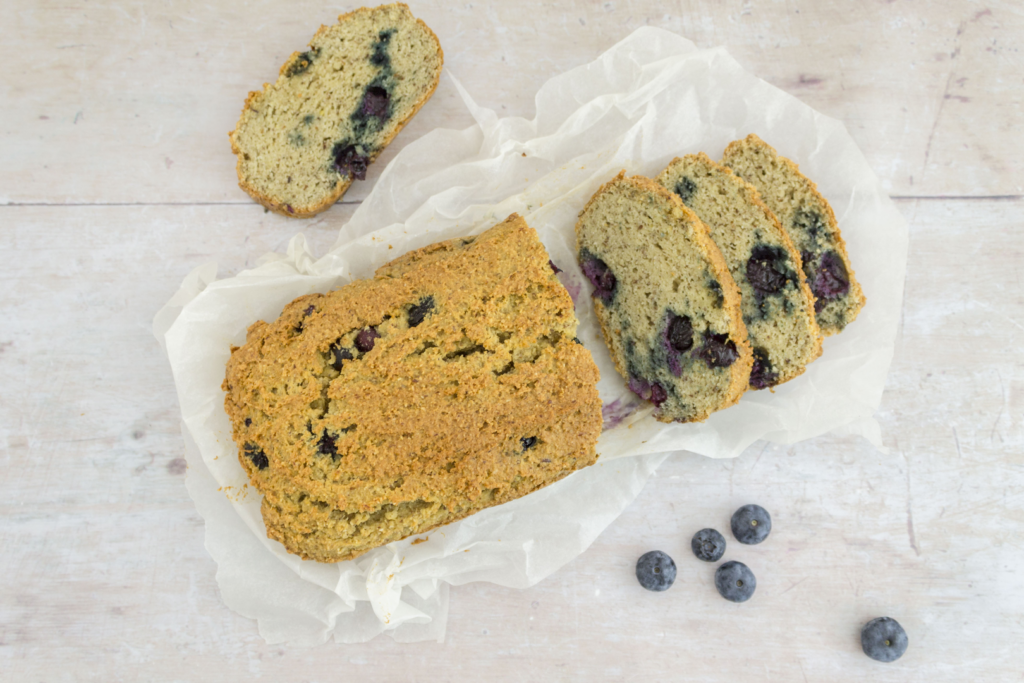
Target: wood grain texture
(113,132)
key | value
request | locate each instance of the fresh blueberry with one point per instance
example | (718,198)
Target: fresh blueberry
(528,442)
(708,545)
(680,332)
(258,457)
(601,276)
(717,350)
(883,639)
(655,571)
(649,391)
(751,524)
(735,582)
(761,375)
(686,188)
(766,270)
(366,339)
(831,280)
(418,312)
(340,354)
(348,161)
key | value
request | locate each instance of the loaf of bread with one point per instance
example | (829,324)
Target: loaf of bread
(333,109)
(669,309)
(449,382)
(778,308)
(808,219)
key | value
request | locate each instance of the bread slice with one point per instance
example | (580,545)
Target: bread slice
(333,109)
(669,309)
(808,219)
(447,383)
(778,308)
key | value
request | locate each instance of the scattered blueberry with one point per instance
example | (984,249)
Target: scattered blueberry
(735,582)
(751,524)
(685,188)
(327,445)
(717,350)
(601,276)
(375,102)
(655,571)
(309,310)
(831,280)
(708,545)
(649,391)
(248,422)
(680,332)
(883,639)
(348,161)
(766,270)
(340,354)
(366,339)
(258,457)
(761,375)
(528,442)
(418,312)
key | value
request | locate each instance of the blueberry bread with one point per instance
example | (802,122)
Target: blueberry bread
(303,140)
(669,309)
(809,220)
(778,308)
(447,383)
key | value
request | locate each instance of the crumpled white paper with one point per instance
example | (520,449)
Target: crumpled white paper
(650,98)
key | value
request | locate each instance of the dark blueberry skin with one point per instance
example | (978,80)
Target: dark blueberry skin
(717,350)
(600,276)
(735,582)
(751,524)
(418,312)
(366,339)
(555,269)
(761,375)
(680,333)
(528,442)
(327,445)
(655,571)
(649,391)
(831,280)
(766,270)
(883,639)
(708,545)
(258,457)
(685,188)
(248,422)
(375,102)
(348,161)
(309,310)
(340,354)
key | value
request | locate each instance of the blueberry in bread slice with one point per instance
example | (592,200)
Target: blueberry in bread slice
(778,308)
(669,309)
(302,140)
(808,219)
(447,383)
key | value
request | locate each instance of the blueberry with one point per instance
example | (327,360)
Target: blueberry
(717,350)
(327,445)
(380,55)
(418,312)
(528,442)
(761,375)
(348,160)
(831,280)
(309,310)
(601,276)
(686,188)
(555,269)
(883,639)
(766,270)
(248,422)
(751,524)
(577,341)
(256,454)
(680,332)
(340,354)
(735,582)
(375,102)
(708,545)
(655,571)
(366,339)
(649,391)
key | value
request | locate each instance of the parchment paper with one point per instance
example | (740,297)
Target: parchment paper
(648,99)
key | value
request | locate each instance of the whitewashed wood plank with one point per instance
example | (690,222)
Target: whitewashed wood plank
(132,102)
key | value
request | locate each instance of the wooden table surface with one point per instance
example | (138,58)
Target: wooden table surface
(117,179)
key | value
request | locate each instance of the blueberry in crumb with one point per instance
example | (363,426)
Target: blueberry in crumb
(649,391)
(655,571)
(348,160)
(600,276)
(528,442)
(686,188)
(418,312)
(555,269)
(375,102)
(761,375)
(327,445)
(248,422)
(717,350)
(735,582)
(309,310)
(680,333)
(257,456)
(577,340)
(766,270)
(340,354)
(831,280)
(708,545)
(751,524)
(883,639)
(366,339)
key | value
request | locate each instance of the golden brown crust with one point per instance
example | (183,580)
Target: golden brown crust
(473,400)
(299,211)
